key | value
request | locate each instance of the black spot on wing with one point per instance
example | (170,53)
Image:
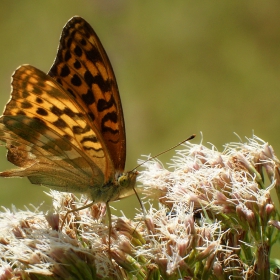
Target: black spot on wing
(20,112)
(56,111)
(67,55)
(98,80)
(88,98)
(93,55)
(78,51)
(102,104)
(89,79)
(77,64)
(90,139)
(67,137)
(91,115)
(25,105)
(65,71)
(111,117)
(71,92)
(42,112)
(76,81)
(60,123)
(69,112)
(37,120)
(25,94)
(77,130)
(83,42)
(39,100)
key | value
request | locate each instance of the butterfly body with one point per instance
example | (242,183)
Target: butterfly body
(65,129)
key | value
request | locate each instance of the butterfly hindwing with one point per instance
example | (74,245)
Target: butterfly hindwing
(44,157)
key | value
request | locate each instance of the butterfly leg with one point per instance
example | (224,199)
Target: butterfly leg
(144,212)
(140,202)
(74,210)
(110,225)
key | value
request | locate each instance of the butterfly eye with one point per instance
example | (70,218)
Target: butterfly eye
(123,180)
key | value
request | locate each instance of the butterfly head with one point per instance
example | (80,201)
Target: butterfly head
(126,183)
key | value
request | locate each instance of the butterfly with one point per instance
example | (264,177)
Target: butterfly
(65,129)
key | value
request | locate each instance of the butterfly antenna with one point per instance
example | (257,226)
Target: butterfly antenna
(188,139)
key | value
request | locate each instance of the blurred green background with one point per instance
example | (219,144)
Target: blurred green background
(182,67)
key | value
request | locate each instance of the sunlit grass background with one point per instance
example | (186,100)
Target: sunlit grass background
(182,67)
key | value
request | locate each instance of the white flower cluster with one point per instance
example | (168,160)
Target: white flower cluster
(214,219)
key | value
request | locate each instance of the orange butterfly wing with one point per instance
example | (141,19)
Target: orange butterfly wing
(82,67)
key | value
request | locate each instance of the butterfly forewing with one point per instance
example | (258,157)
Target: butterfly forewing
(83,68)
